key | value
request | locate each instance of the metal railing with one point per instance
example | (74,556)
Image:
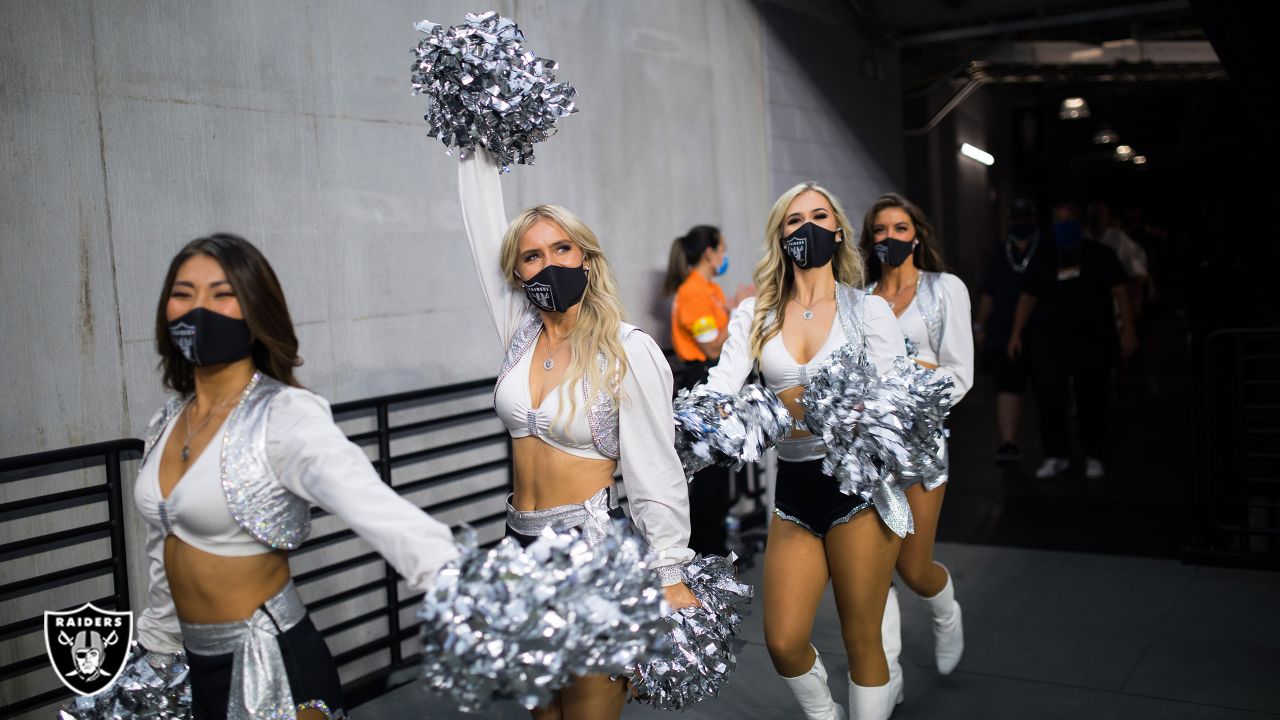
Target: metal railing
(385,430)
(458,412)
(383,435)
(108,456)
(1238,417)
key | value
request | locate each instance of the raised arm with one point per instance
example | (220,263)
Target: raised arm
(655,481)
(314,460)
(735,355)
(955,352)
(485,220)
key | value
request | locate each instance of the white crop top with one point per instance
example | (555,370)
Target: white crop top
(780,369)
(570,433)
(311,458)
(657,492)
(196,509)
(954,356)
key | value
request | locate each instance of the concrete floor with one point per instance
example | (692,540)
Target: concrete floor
(1049,635)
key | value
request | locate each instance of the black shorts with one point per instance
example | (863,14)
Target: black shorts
(308,663)
(812,499)
(527,540)
(1010,376)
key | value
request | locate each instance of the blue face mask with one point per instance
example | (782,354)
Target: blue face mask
(724,266)
(1068,233)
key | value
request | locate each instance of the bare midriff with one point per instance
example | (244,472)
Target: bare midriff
(791,398)
(210,588)
(546,477)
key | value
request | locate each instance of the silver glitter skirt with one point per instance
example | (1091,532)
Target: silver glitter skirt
(259,679)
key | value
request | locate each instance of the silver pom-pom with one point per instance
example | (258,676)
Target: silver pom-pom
(152,685)
(484,88)
(702,641)
(926,398)
(519,624)
(713,428)
(877,429)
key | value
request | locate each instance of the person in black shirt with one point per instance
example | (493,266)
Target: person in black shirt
(1077,288)
(998,298)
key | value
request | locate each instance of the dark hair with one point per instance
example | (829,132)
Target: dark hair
(686,251)
(926,254)
(275,346)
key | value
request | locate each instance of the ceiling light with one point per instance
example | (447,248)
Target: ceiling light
(1105,136)
(1073,108)
(1124,153)
(981,156)
(1139,159)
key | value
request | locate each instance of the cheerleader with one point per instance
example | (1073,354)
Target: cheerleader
(932,309)
(231,469)
(581,392)
(808,305)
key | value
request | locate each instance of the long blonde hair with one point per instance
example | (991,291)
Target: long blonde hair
(774,275)
(600,313)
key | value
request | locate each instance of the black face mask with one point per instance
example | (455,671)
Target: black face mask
(893,252)
(556,288)
(205,337)
(811,246)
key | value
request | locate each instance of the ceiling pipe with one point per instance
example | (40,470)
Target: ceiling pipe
(1041,23)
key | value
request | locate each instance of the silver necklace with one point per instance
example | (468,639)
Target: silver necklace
(1021,267)
(549,363)
(808,309)
(186,444)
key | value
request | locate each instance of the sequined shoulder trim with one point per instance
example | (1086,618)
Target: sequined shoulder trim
(931,307)
(850,305)
(526,334)
(168,413)
(258,502)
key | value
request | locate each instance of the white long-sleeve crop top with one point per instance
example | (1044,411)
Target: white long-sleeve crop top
(656,488)
(954,354)
(312,459)
(780,370)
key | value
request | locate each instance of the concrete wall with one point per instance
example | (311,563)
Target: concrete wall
(128,128)
(829,120)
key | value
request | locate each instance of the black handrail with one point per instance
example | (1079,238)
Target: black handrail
(385,431)
(109,456)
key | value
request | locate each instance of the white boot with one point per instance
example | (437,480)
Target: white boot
(870,703)
(948,630)
(891,638)
(812,693)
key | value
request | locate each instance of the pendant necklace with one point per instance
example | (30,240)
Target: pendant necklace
(808,309)
(549,363)
(186,444)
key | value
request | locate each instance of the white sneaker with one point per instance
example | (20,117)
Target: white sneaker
(1093,469)
(1052,467)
